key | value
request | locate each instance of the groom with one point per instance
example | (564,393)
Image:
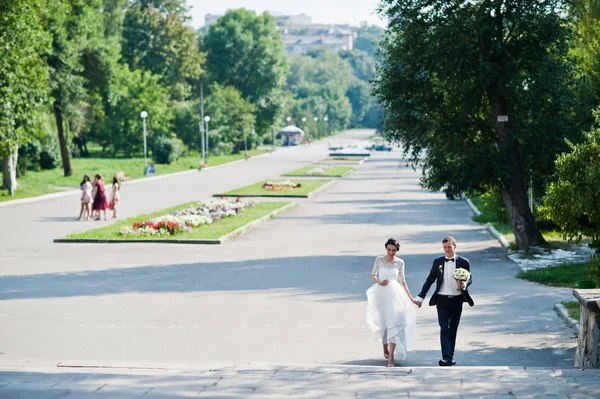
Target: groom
(447,299)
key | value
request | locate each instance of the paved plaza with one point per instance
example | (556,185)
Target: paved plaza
(278,311)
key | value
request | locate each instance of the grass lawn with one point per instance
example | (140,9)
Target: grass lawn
(48,181)
(256,190)
(204,232)
(572,308)
(336,171)
(566,275)
(27,190)
(488,215)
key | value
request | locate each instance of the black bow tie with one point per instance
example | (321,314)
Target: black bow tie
(449,259)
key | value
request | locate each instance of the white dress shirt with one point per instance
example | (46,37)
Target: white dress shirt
(449,283)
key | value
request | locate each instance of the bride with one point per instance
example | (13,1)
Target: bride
(390,311)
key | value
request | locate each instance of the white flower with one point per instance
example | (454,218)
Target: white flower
(461,274)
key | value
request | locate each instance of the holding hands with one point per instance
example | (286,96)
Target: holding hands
(384,282)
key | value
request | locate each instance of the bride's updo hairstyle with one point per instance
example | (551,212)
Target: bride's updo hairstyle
(394,242)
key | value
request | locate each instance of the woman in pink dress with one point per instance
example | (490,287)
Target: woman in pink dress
(100,203)
(115,196)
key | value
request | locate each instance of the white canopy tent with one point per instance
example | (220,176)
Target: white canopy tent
(291,135)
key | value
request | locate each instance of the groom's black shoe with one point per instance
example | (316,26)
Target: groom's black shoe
(444,363)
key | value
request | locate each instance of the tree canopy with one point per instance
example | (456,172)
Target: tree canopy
(452,73)
(245,51)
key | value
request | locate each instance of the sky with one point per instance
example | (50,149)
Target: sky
(351,12)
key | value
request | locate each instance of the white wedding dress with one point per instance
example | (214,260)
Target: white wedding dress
(390,312)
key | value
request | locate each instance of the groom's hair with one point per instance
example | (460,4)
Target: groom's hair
(449,239)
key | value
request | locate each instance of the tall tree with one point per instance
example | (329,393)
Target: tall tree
(452,72)
(232,116)
(100,64)
(23,79)
(73,24)
(157,39)
(133,92)
(318,83)
(246,51)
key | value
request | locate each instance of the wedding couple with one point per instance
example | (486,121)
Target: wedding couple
(391,309)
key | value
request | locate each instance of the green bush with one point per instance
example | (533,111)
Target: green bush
(29,157)
(50,155)
(492,208)
(167,150)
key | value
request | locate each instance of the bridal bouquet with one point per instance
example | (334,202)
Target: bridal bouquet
(460,274)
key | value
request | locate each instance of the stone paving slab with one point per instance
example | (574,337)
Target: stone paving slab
(302,381)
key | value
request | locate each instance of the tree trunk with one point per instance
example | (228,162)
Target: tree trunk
(512,187)
(513,190)
(9,171)
(62,139)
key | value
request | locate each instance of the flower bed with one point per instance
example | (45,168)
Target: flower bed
(201,213)
(280,185)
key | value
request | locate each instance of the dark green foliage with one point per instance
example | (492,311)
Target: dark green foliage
(232,119)
(156,38)
(134,92)
(29,157)
(23,75)
(50,155)
(245,51)
(186,122)
(318,84)
(166,150)
(449,71)
(573,200)
(367,39)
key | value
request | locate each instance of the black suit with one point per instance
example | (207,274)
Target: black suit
(449,308)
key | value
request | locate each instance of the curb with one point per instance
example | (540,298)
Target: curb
(497,235)
(126,182)
(563,314)
(227,237)
(473,208)
(490,227)
(323,187)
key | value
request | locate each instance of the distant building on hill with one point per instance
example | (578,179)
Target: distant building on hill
(301,35)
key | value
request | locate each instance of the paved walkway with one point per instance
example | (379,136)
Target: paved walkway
(289,292)
(329,381)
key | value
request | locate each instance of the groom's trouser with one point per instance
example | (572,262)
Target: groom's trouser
(449,310)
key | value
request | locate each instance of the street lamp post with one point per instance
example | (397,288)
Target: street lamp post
(206,119)
(288,119)
(144,115)
(325,119)
(201,127)
(316,125)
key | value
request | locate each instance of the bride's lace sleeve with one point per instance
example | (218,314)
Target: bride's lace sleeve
(401,277)
(375,267)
